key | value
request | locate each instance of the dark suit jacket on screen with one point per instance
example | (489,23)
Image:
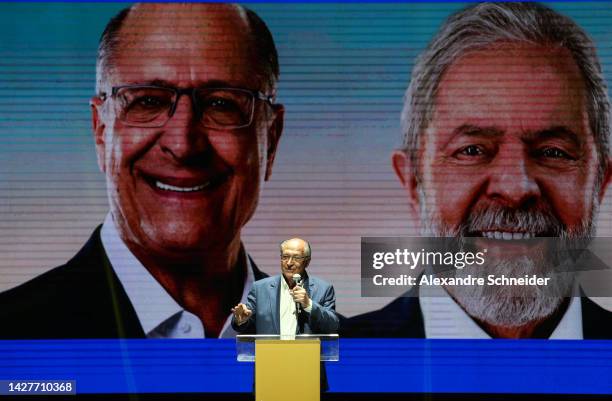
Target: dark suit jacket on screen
(403,318)
(81,299)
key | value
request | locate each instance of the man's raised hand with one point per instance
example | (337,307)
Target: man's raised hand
(241,313)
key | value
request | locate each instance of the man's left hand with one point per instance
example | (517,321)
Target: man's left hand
(300,295)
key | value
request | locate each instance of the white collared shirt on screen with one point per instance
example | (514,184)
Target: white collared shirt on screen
(159,314)
(444,318)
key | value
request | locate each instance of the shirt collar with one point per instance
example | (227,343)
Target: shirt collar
(444,318)
(283,283)
(285,286)
(153,305)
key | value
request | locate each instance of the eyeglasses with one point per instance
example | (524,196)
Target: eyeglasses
(150,106)
(286,258)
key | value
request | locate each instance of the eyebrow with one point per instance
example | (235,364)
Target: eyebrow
(559,132)
(471,130)
(214,83)
(475,130)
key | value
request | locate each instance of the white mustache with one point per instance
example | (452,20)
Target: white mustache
(496,218)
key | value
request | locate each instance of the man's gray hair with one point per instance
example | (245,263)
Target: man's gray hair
(307,251)
(481,25)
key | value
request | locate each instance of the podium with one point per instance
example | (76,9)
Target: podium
(287,367)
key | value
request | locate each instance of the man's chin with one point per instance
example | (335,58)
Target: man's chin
(512,305)
(184,245)
(509,311)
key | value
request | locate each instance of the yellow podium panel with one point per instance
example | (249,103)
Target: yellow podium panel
(287,370)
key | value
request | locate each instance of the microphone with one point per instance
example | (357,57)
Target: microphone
(297,279)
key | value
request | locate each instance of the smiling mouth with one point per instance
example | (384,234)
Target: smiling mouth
(185,186)
(509,235)
(173,188)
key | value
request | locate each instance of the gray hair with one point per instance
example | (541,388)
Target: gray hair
(481,25)
(307,250)
(262,41)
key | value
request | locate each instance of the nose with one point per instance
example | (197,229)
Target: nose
(183,137)
(511,179)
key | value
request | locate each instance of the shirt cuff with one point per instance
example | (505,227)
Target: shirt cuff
(309,307)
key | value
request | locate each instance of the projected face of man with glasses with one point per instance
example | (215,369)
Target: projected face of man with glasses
(186,130)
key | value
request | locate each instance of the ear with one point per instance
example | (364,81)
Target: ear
(406,172)
(606,181)
(275,131)
(96,104)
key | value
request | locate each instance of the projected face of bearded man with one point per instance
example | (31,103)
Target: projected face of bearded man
(508,154)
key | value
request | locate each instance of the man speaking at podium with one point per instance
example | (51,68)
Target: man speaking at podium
(290,303)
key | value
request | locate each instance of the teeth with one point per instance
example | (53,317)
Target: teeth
(522,236)
(505,235)
(167,187)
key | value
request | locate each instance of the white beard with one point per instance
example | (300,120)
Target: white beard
(512,306)
(509,306)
